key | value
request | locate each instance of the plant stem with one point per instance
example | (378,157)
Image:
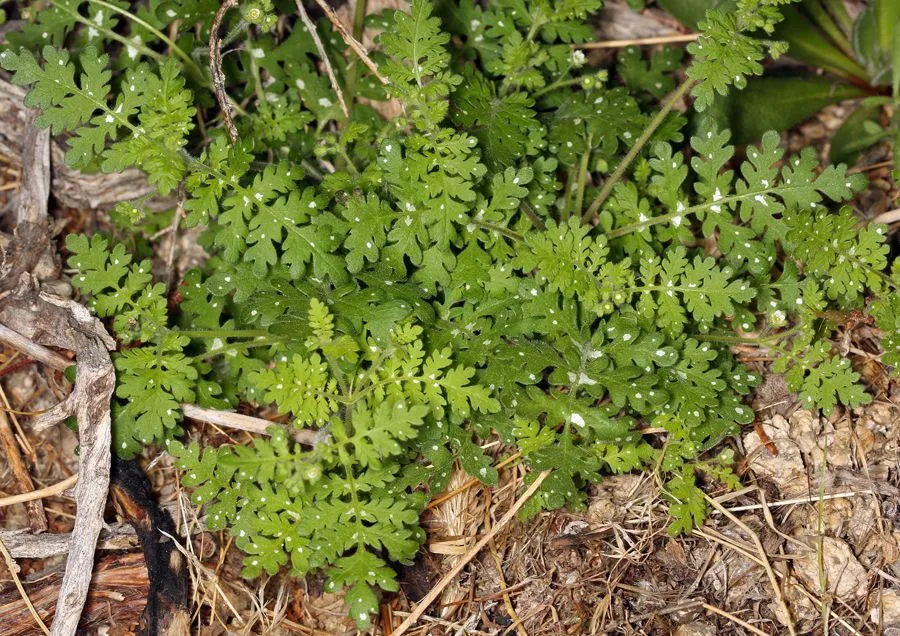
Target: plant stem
(655,123)
(235,347)
(162,36)
(582,172)
(839,12)
(534,218)
(825,22)
(225,333)
(510,234)
(254,71)
(573,81)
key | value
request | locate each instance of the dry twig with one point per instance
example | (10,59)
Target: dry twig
(247,423)
(66,324)
(26,545)
(215,67)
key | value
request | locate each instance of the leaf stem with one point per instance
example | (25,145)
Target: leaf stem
(583,171)
(510,234)
(655,123)
(225,333)
(162,36)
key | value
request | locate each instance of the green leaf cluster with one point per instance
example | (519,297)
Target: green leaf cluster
(398,292)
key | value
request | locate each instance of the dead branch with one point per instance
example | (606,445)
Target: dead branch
(30,242)
(169,598)
(23,544)
(62,323)
(215,67)
(256,425)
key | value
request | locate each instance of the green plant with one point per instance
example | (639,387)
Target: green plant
(524,250)
(860,58)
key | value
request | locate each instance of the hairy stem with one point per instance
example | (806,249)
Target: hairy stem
(655,123)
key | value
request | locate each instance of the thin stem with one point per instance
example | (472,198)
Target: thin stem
(254,71)
(655,123)
(534,218)
(162,36)
(359,17)
(572,81)
(760,340)
(694,209)
(235,346)
(582,172)
(510,234)
(323,55)
(225,333)
(143,48)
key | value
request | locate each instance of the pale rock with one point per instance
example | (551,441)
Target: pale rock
(886,610)
(845,577)
(805,428)
(786,469)
(695,628)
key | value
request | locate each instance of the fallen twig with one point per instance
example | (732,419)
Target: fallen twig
(351,41)
(23,544)
(66,324)
(215,67)
(256,425)
(417,613)
(304,17)
(34,350)
(891,216)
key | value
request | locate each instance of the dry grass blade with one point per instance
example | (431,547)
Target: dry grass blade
(734,619)
(351,41)
(49,491)
(304,16)
(764,559)
(417,613)
(617,44)
(13,569)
